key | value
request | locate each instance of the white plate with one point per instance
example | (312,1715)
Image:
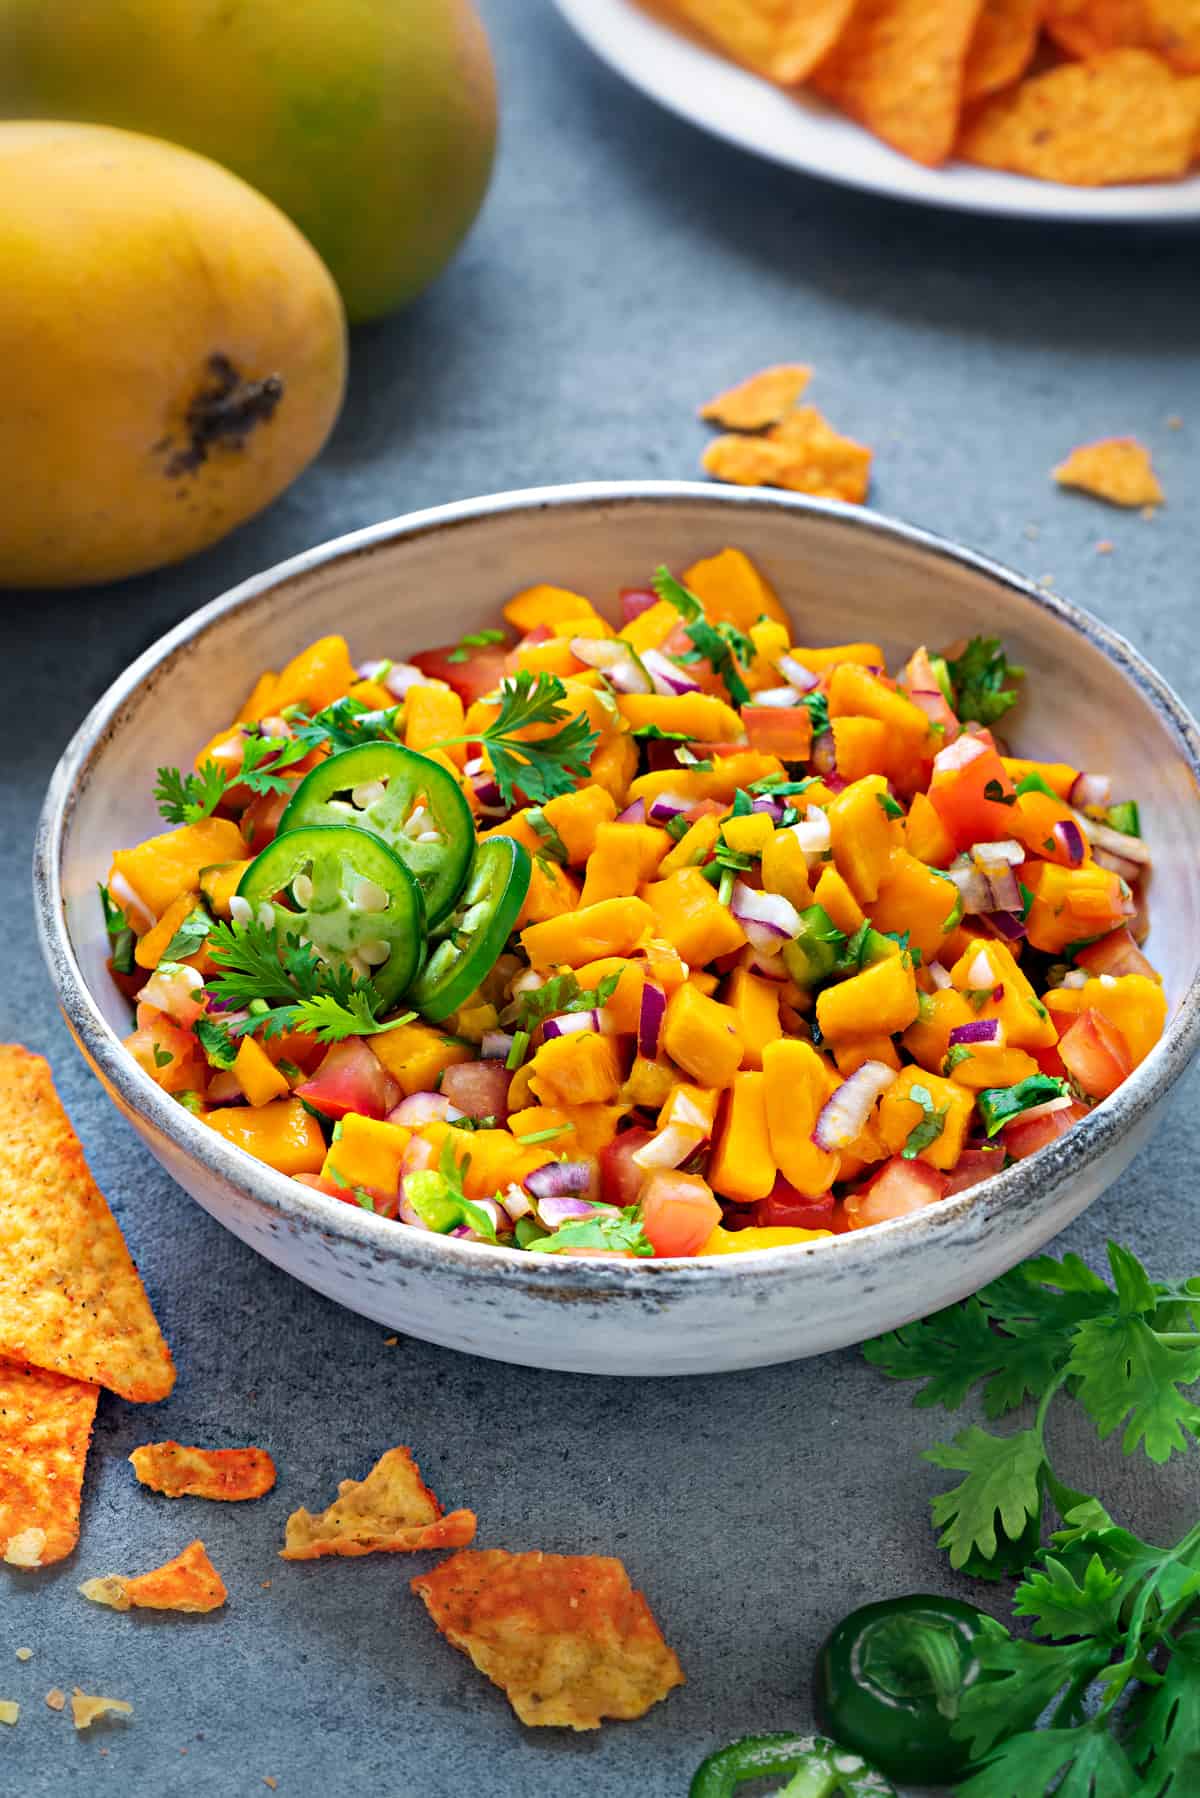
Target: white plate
(803,133)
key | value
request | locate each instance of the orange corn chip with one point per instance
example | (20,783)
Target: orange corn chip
(1002,47)
(85,1710)
(188,1583)
(781,39)
(70,1297)
(1174,27)
(1118,469)
(45,1426)
(565,1637)
(226,1473)
(390,1510)
(1086,28)
(803,454)
(762,400)
(898,69)
(1120,117)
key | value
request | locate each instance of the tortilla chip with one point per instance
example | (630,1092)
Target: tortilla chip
(225,1473)
(565,1637)
(45,1426)
(1118,469)
(56,1699)
(391,1510)
(1003,45)
(762,400)
(898,69)
(188,1583)
(9,1710)
(1174,27)
(1086,28)
(85,1710)
(803,454)
(1120,117)
(70,1296)
(781,39)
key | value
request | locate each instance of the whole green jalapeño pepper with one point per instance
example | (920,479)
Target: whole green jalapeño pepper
(890,1677)
(814,1768)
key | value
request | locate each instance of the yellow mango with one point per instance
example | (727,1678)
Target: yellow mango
(577,817)
(785,870)
(257,1075)
(733,591)
(862,835)
(728,773)
(1057,775)
(693,848)
(1136,1004)
(548,606)
(551,893)
(928,1039)
(700,1035)
(754,1003)
(651,627)
(698,715)
(367,1152)
(855,693)
(988,1066)
(613,927)
(625,855)
(852,1051)
(153,946)
(860,745)
(418,1054)
(925,835)
(649,1083)
(686,911)
(432,715)
(837,901)
(745,1242)
(219,883)
(899,1115)
(742,1166)
(797,1083)
(1027,1023)
(818,661)
(915,898)
(748,835)
(163,868)
(317,676)
(614,765)
(881,1000)
(282,1134)
(580,1069)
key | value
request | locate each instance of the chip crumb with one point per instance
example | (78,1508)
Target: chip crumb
(1033,532)
(1104,547)
(265,1584)
(270,1780)
(390,1341)
(56,1698)
(24,1654)
(10,1710)
(1116,469)
(1174,422)
(761,400)
(1149,514)
(85,1709)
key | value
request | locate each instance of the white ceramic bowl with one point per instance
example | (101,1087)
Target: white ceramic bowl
(426,579)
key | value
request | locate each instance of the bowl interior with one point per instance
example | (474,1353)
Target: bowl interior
(842,575)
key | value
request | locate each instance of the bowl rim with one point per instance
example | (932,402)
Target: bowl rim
(965,1216)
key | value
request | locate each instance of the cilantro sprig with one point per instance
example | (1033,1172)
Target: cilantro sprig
(981,678)
(543,767)
(604,1230)
(264,768)
(559,995)
(346,724)
(722,646)
(287,986)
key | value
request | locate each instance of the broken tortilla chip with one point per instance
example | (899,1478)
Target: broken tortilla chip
(188,1583)
(1174,27)
(1117,469)
(85,1709)
(70,1296)
(1120,117)
(1002,48)
(565,1637)
(224,1473)
(898,69)
(781,39)
(45,1426)
(802,453)
(9,1710)
(761,400)
(391,1511)
(1086,28)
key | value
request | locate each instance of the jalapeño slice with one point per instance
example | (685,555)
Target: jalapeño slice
(408,800)
(348,895)
(473,937)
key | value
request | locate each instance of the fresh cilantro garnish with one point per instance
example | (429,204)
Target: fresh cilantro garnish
(289,987)
(1026,899)
(162,1057)
(998,1105)
(191,1102)
(548,1135)
(543,767)
(654,733)
(470,1123)
(890,807)
(777,786)
(220,1050)
(957,1053)
(606,1230)
(1033,782)
(743,805)
(677,827)
(933,1122)
(722,646)
(190,935)
(122,940)
(818,711)
(995,792)
(345,724)
(187,798)
(474,640)
(979,676)
(561,994)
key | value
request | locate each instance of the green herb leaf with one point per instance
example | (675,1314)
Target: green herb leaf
(995,792)
(932,1124)
(1165,1743)
(187,798)
(654,733)
(818,711)
(562,994)
(346,724)
(162,1057)
(556,849)
(1001,1487)
(722,646)
(998,1105)
(980,677)
(1093,1762)
(122,941)
(889,806)
(290,987)
(606,1230)
(474,640)
(1034,783)
(1062,1607)
(190,935)
(1127,1375)
(220,1050)
(543,767)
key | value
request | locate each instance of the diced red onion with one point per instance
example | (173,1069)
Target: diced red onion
(768,919)
(960,753)
(463,1231)
(940,976)
(560,1180)
(665,806)
(797,675)
(668,677)
(517,1202)
(223,1087)
(973,888)
(1003,888)
(615,660)
(1130,849)
(1063,1102)
(979,1030)
(835,782)
(813,832)
(495,1045)
(570,1023)
(1005,851)
(650,1017)
(778,696)
(1090,789)
(843,1116)
(1068,836)
(635,601)
(672,1145)
(823,755)
(1004,924)
(564,1209)
(424,1108)
(633,814)
(979,974)
(773,808)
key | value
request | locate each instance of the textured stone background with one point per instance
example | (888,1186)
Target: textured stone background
(623,269)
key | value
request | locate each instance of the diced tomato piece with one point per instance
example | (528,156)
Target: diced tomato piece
(1115,954)
(480,670)
(899,1188)
(260,820)
(478,1088)
(171,1056)
(1024,1137)
(788,1209)
(1095,1054)
(679,1212)
(384,1204)
(921,685)
(1049,1061)
(351,1078)
(785,731)
(968,790)
(972,1166)
(621,1179)
(319,1183)
(635,601)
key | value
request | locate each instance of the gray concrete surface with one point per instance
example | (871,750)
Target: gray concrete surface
(624,268)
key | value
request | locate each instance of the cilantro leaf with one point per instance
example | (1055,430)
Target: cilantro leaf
(1093,1762)
(654,733)
(818,711)
(933,1122)
(289,987)
(957,1348)
(1062,1607)
(1165,1742)
(187,798)
(1125,1372)
(555,848)
(979,676)
(890,807)
(559,995)
(122,941)
(220,1050)
(543,767)
(605,1230)
(190,935)
(1002,1485)
(722,646)
(266,761)
(345,724)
